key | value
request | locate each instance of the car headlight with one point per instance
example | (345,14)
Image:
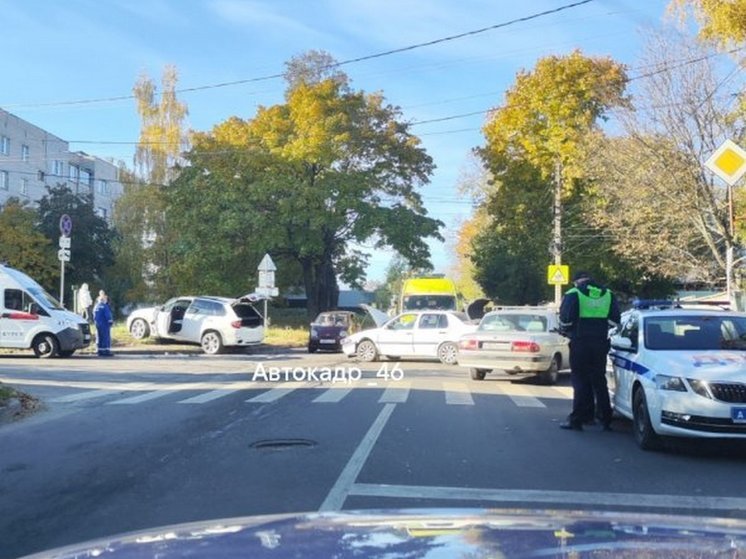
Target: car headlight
(667,382)
(314,333)
(700,387)
(343,334)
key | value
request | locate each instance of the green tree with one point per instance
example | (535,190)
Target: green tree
(542,128)
(22,246)
(304,179)
(91,251)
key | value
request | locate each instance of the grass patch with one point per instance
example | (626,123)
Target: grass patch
(286,336)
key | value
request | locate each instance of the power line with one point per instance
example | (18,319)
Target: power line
(330,66)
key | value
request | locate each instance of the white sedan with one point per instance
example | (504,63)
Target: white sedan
(424,334)
(517,340)
(212,322)
(680,372)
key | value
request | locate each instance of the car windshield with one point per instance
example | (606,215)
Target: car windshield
(695,332)
(333,319)
(429,302)
(510,322)
(45,299)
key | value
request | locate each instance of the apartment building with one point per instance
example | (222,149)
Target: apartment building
(31,159)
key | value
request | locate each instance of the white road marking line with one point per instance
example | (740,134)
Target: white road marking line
(548,497)
(87,395)
(338,493)
(276,393)
(397,393)
(333,395)
(564,391)
(142,397)
(207,396)
(458,394)
(521,396)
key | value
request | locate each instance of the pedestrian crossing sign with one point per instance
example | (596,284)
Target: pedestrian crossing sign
(558,274)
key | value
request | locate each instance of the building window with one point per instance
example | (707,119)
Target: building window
(24,152)
(4,145)
(103,187)
(74,173)
(59,168)
(3,180)
(86,177)
(24,187)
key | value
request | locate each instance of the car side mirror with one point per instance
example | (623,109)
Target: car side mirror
(621,343)
(34,308)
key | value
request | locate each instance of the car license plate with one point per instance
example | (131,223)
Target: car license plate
(738,415)
(492,345)
(328,341)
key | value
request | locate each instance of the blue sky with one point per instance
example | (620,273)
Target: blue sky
(89,49)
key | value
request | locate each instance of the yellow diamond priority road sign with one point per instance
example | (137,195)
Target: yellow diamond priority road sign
(558,274)
(728,162)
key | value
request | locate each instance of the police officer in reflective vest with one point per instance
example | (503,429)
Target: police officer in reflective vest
(585,313)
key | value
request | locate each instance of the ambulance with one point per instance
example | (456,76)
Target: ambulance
(30,318)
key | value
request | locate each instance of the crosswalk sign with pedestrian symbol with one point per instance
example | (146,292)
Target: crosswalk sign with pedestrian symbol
(558,274)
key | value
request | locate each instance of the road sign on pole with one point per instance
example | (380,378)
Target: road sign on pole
(266,286)
(66,228)
(66,225)
(729,163)
(558,274)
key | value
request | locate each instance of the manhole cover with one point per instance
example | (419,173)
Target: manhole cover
(282,444)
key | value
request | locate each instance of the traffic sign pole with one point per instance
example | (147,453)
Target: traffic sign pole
(66,227)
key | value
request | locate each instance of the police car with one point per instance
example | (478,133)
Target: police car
(677,371)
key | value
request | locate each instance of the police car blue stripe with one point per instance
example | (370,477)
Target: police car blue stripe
(628,364)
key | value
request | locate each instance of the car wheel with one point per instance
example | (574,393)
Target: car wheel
(312,348)
(478,374)
(550,375)
(139,329)
(45,346)
(366,351)
(448,353)
(645,436)
(211,342)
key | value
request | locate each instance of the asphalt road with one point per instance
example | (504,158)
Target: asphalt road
(138,442)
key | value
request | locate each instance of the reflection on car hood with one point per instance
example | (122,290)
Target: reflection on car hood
(431,533)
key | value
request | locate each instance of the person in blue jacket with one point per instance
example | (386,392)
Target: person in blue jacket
(103,318)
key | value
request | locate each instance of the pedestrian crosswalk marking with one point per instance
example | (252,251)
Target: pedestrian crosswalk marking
(142,397)
(522,398)
(208,396)
(458,394)
(332,396)
(455,392)
(396,393)
(276,393)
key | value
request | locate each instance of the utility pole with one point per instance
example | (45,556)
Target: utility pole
(557,239)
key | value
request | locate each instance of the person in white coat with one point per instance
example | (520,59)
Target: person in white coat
(85,302)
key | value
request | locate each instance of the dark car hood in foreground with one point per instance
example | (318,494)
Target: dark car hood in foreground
(433,534)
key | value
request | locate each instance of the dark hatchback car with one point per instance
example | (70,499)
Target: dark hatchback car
(331,327)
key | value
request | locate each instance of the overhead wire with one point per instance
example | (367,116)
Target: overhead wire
(330,66)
